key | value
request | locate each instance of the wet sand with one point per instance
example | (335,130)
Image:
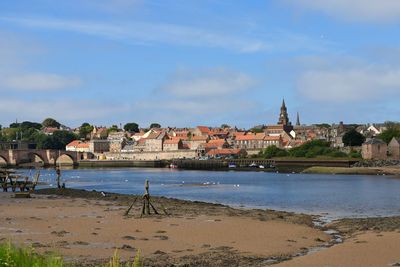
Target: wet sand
(88,230)
(87,227)
(364,250)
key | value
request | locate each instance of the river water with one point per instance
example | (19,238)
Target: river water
(332,196)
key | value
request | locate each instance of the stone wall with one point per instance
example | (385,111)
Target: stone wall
(374,151)
(147,155)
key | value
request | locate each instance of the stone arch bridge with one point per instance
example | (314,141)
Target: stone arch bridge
(15,157)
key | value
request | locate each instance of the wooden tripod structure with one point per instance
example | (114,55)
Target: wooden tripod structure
(146,203)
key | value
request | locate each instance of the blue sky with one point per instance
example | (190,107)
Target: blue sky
(199,62)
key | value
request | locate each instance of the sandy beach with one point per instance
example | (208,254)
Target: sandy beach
(86,228)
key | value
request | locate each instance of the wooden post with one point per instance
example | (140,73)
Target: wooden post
(146,205)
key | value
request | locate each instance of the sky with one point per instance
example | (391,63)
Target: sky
(199,62)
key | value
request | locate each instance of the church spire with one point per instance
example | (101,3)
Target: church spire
(298,119)
(283,117)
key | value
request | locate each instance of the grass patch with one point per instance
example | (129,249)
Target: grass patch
(342,170)
(12,256)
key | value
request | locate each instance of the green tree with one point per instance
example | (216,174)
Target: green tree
(131,127)
(58,140)
(353,138)
(10,134)
(85,130)
(62,138)
(257,130)
(50,122)
(29,124)
(273,151)
(224,125)
(113,128)
(155,125)
(392,130)
(323,125)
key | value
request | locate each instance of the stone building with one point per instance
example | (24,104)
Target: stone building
(201,131)
(117,141)
(374,149)
(394,148)
(172,144)
(154,142)
(196,141)
(99,146)
(257,141)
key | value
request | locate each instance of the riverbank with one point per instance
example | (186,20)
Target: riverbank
(386,170)
(87,227)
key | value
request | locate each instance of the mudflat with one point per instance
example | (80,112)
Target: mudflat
(87,227)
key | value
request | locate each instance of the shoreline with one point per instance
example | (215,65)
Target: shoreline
(386,170)
(95,211)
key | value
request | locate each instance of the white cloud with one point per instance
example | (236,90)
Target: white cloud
(210,83)
(142,33)
(352,84)
(359,10)
(210,96)
(38,82)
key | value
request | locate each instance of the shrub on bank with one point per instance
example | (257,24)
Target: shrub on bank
(311,149)
(12,256)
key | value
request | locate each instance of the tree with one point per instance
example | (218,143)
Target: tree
(131,127)
(323,125)
(58,140)
(353,138)
(85,130)
(155,125)
(49,122)
(29,125)
(273,151)
(392,130)
(113,128)
(224,126)
(62,138)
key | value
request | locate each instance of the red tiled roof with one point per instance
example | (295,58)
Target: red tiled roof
(246,137)
(199,138)
(50,129)
(82,145)
(171,142)
(203,129)
(74,143)
(217,142)
(153,135)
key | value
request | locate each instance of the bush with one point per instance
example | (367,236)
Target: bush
(314,149)
(273,151)
(337,154)
(26,257)
(355,155)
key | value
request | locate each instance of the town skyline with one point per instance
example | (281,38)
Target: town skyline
(161,61)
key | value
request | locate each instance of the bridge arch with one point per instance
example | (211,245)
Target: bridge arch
(65,159)
(3,161)
(36,158)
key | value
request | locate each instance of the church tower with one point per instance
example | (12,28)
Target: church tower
(283,117)
(298,119)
